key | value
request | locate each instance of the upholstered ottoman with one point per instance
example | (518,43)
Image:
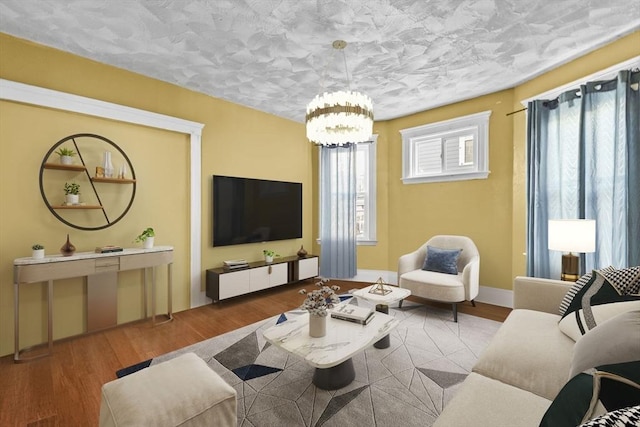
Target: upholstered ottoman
(179,392)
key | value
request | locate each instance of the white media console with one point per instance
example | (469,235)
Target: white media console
(223,283)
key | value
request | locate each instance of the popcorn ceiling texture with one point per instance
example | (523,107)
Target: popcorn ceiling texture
(271,55)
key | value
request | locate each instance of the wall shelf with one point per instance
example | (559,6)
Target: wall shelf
(77,207)
(113,180)
(60,166)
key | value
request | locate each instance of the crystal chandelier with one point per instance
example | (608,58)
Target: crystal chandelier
(342,117)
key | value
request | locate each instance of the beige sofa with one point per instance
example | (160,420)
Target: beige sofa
(524,367)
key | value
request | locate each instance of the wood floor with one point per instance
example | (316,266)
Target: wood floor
(64,389)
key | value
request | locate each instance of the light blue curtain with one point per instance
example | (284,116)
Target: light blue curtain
(338,212)
(584,162)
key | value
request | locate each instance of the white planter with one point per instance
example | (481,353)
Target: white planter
(66,160)
(37,254)
(268,258)
(148,243)
(72,199)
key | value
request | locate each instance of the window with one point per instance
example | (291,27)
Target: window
(366,193)
(451,150)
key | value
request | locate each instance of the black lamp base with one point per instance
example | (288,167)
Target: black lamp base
(570,267)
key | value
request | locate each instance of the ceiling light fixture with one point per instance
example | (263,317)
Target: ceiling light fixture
(342,117)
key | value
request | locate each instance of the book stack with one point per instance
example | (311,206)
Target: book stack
(236,263)
(353,313)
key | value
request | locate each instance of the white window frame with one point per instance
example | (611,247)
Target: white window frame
(370,237)
(473,124)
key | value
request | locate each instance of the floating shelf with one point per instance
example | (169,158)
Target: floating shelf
(60,166)
(77,207)
(113,180)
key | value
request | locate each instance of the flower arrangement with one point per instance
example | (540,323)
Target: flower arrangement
(268,252)
(320,300)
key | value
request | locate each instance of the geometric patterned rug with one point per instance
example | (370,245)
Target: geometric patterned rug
(406,384)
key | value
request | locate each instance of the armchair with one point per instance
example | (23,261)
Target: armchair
(442,287)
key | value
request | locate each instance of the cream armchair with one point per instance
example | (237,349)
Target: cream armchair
(442,287)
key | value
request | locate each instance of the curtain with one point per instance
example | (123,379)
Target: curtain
(583,153)
(338,211)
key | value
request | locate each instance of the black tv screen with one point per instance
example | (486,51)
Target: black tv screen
(247,210)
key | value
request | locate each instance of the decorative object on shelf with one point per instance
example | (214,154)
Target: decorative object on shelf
(107,165)
(269,255)
(37,251)
(379,289)
(66,155)
(302,252)
(317,303)
(72,193)
(147,238)
(67,249)
(99,172)
(122,174)
(342,117)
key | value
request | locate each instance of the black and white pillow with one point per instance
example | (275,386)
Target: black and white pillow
(625,417)
(575,288)
(625,280)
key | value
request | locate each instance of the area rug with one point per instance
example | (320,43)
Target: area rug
(406,384)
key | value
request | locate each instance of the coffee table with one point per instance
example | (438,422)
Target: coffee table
(382,304)
(330,355)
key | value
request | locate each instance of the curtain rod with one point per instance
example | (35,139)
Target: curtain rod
(517,111)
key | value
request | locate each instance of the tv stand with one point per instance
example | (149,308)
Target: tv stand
(223,283)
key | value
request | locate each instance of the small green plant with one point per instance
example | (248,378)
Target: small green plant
(63,151)
(145,234)
(37,246)
(270,253)
(72,188)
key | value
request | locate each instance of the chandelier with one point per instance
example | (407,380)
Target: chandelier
(342,117)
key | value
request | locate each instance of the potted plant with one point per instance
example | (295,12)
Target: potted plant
(72,193)
(38,251)
(269,254)
(317,303)
(146,237)
(66,155)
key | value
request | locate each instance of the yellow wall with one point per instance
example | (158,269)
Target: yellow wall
(235,141)
(244,142)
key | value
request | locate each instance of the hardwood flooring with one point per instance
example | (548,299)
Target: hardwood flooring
(64,389)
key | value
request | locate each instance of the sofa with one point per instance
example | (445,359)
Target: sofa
(527,364)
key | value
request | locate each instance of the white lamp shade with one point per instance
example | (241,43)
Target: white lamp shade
(572,235)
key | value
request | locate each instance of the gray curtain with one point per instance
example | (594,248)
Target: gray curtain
(584,162)
(338,212)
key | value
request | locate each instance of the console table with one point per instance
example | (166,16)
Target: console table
(101,272)
(223,283)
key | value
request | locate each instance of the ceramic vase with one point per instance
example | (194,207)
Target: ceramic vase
(317,325)
(302,252)
(67,249)
(72,199)
(148,243)
(107,165)
(268,258)
(66,160)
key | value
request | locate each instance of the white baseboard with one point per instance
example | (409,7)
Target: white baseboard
(487,294)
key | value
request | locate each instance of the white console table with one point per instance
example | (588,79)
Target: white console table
(101,272)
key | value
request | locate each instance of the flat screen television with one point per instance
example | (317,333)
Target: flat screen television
(247,210)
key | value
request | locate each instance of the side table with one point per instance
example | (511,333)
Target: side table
(382,304)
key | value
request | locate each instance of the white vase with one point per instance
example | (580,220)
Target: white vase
(37,254)
(107,165)
(317,325)
(268,259)
(66,160)
(72,199)
(148,243)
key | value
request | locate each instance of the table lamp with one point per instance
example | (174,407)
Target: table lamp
(572,235)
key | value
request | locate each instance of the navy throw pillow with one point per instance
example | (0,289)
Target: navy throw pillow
(441,260)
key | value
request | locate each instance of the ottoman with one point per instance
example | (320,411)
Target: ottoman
(179,392)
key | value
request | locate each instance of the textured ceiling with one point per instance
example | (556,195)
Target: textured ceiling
(271,55)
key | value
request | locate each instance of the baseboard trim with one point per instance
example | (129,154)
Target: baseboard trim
(487,294)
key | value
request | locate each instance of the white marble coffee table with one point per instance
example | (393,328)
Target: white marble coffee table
(331,354)
(382,303)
